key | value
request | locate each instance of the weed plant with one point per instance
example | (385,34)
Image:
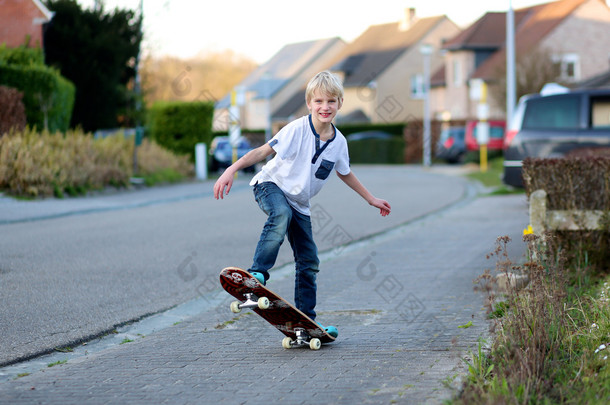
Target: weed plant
(550,337)
(47,164)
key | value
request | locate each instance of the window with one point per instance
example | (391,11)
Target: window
(495,132)
(568,66)
(418,89)
(552,113)
(457,73)
(600,112)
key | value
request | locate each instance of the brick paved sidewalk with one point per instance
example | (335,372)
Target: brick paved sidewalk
(397,300)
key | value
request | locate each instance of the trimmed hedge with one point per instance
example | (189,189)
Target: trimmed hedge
(575,183)
(48,97)
(21,55)
(393,129)
(179,125)
(570,183)
(377,151)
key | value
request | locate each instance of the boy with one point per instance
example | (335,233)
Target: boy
(306,150)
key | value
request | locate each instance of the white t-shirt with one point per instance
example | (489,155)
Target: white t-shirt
(301,165)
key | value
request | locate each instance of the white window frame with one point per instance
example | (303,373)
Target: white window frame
(565,61)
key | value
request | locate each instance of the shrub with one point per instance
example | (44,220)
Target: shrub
(48,97)
(385,151)
(575,183)
(45,164)
(179,126)
(21,55)
(12,110)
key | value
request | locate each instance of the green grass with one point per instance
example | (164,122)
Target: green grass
(573,339)
(492,178)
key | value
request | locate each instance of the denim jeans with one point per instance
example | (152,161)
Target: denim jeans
(283,220)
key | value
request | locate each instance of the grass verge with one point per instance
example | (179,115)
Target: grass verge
(551,338)
(492,178)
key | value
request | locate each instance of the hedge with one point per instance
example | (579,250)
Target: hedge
(48,97)
(393,129)
(21,55)
(575,183)
(179,125)
(381,151)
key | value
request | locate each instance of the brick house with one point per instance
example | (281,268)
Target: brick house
(21,22)
(574,33)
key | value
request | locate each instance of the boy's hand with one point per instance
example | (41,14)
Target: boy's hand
(224,181)
(383,205)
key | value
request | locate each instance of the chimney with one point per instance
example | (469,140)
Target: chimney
(408,19)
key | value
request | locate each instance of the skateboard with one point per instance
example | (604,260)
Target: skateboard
(300,330)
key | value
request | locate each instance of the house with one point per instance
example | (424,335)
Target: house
(570,37)
(272,85)
(21,22)
(382,71)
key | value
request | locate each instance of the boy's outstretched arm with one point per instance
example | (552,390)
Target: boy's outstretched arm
(225,181)
(352,181)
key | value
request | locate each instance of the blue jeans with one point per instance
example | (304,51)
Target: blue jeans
(284,220)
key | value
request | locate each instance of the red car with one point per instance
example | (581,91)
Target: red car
(496,135)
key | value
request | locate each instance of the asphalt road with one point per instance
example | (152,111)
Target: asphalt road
(75,269)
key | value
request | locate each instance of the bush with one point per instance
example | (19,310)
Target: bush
(384,151)
(45,164)
(179,126)
(394,129)
(48,97)
(21,55)
(575,183)
(12,110)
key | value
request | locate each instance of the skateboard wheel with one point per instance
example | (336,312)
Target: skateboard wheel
(235,307)
(315,344)
(287,343)
(263,303)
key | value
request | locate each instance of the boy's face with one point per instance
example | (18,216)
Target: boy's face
(324,106)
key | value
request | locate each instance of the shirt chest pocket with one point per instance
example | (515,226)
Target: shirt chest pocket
(326,166)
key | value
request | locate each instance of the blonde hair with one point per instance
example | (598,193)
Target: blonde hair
(325,82)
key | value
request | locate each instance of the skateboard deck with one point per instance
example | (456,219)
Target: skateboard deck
(300,330)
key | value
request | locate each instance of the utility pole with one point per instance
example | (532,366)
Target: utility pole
(426,51)
(510,63)
(138,93)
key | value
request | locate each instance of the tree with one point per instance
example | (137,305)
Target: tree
(534,69)
(97,51)
(206,77)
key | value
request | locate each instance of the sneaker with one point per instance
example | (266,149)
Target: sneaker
(259,277)
(331,330)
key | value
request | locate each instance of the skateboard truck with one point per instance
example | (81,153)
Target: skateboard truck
(301,340)
(252,301)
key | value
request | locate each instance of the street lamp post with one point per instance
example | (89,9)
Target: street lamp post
(510,62)
(426,51)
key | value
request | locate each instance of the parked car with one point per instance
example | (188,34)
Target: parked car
(451,145)
(549,126)
(221,152)
(496,135)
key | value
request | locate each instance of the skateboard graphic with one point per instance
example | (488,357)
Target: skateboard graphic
(300,330)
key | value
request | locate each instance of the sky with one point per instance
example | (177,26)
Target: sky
(260,28)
